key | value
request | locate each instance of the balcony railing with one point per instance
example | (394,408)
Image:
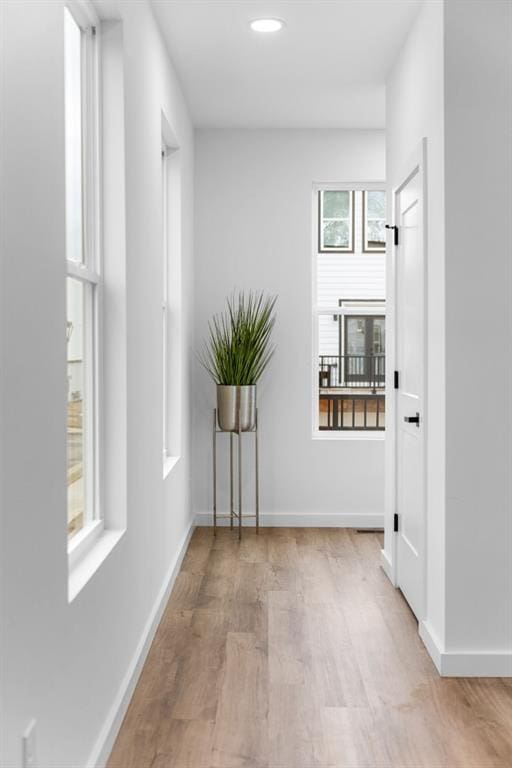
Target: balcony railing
(351,392)
(341,411)
(361,371)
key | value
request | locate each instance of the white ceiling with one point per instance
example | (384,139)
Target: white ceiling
(326,68)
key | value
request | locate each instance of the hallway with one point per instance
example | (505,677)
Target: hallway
(293,650)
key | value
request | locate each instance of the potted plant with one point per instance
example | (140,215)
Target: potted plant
(236,354)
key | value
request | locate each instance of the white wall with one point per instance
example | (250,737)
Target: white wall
(452,84)
(63,663)
(254,230)
(478,151)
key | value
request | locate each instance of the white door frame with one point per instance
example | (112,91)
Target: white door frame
(418,159)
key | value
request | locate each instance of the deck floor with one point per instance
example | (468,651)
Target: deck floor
(293,650)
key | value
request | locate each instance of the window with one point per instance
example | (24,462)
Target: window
(83,271)
(374,221)
(172,365)
(336,218)
(165,304)
(349,312)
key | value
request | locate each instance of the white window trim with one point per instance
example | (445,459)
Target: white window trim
(316,433)
(89,273)
(171,270)
(89,554)
(81,541)
(165,311)
(91,547)
(169,463)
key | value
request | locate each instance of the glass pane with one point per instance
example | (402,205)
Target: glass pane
(356,336)
(76,421)
(336,234)
(376,204)
(336,205)
(73,131)
(376,234)
(379,336)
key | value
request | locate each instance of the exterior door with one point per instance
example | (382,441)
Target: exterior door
(365,347)
(410,404)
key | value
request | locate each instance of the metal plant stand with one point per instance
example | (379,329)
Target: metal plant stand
(232,513)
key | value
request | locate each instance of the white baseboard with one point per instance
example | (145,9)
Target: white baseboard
(103,747)
(304,520)
(431,643)
(465,663)
(387,566)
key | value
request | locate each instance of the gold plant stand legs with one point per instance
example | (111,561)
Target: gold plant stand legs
(215,472)
(231,482)
(239,480)
(238,513)
(257,475)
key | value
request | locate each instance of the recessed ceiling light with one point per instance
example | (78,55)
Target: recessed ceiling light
(266,25)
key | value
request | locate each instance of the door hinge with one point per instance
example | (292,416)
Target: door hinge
(396,380)
(395,522)
(395,229)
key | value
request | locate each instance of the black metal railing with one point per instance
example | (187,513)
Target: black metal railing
(351,395)
(361,371)
(342,411)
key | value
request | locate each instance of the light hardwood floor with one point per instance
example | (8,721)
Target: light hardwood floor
(292,650)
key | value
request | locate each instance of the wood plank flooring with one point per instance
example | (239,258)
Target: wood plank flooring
(293,650)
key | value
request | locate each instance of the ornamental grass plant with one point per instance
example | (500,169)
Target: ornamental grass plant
(239,346)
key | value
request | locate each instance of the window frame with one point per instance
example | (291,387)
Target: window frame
(365,248)
(172,361)
(337,310)
(89,273)
(165,303)
(322,248)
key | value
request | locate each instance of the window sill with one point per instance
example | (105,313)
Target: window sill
(87,552)
(169,464)
(83,541)
(349,435)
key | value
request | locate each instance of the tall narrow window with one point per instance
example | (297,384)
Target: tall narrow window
(165,305)
(349,311)
(83,281)
(172,364)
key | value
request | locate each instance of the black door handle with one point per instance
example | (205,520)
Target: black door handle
(413,419)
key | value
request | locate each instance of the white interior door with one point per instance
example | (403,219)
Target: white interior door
(410,403)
